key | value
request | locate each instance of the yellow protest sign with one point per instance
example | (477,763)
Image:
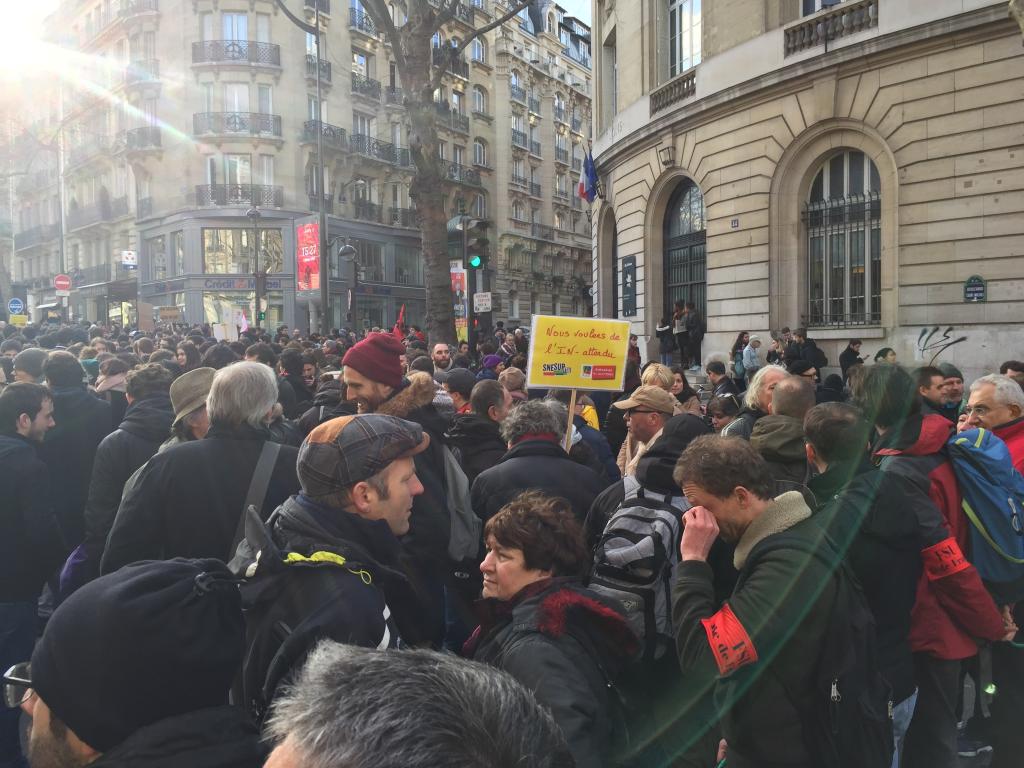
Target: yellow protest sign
(577,353)
(19,320)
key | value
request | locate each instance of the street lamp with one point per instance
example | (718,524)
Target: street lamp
(258,274)
(347,254)
(325,287)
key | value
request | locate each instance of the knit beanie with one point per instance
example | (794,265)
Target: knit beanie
(379,358)
(950,371)
(154,640)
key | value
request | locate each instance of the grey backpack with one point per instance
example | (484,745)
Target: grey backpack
(635,563)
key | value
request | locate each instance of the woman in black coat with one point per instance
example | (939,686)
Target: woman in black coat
(539,624)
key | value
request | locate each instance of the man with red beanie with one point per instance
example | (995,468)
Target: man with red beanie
(373,376)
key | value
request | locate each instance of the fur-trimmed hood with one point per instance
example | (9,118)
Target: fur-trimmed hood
(418,390)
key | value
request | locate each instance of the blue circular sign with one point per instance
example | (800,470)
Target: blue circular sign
(15,306)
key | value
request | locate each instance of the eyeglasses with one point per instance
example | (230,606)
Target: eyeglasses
(631,411)
(18,685)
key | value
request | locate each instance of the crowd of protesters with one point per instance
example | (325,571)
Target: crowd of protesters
(295,550)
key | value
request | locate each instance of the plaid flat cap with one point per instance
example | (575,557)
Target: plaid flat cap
(344,451)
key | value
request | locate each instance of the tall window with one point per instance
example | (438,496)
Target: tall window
(480,206)
(479,50)
(479,100)
(685,261)
(684,35)
(235,26)
(844,242)
(479,152)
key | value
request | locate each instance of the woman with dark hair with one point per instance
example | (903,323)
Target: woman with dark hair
(684,393)
(722,411)
(542,626)
(885,355)
(739,375)
(188,356)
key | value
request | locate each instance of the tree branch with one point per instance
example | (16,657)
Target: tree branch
(445,14)
(379,13)
(494,24)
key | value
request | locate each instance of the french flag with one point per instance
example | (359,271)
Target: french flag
(586,189)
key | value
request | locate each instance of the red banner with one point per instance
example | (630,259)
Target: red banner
(307,256)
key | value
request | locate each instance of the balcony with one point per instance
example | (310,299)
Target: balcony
(361,22)
(577,125)
(520,181)
(535,148)
(561,155)
(454,120)
(363,210)
(580,57)
(541,231)
(334,137)
(325,69)
(461,174)
(559,114)
(825,27)
(86,216)
(402,217)
(142,72)
(141,139)
(394,95)
(97,273)
(534,103)
(259,195)
(245,52)
(315,201)
(130,8)
(520,139)
(561,195)
(518,93)
(106,20)
(236,124)
(535,190)
(324,6)
(384,151)
(43,233)
(443,58)
(366,86)
(678,89)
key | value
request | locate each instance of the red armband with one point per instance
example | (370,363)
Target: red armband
(943,559)
(729,641)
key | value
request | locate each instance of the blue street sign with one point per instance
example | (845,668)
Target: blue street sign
(15,306)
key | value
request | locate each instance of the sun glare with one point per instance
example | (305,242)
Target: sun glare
(22,50)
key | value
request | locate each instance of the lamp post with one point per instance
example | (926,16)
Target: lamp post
(325,282)
(347,254)
(257,272)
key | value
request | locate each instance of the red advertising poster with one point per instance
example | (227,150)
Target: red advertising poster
(307,244)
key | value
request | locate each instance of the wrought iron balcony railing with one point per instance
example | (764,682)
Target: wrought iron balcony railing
(394,95)
(315,201)
(260,195)
(520,139)
(236,52)
(366,211)
(38,235)
(461,174)
(366,86)
(562,155)
(236,124)
(443,58)
(535,148)
(325,68)
(534,104)
(376,149)
(145,137)
(360,20)
(402,217)
(535,190)
(518,93)
(334,137)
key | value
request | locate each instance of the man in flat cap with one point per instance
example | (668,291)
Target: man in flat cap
(326,564)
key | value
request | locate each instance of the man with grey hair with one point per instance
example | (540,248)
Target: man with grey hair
(188,500)
(996,403)
(357,707)
(535,460)
(757,402)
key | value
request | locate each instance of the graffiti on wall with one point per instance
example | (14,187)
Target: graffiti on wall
(929,344)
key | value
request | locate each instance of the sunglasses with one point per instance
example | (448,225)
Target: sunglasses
(17,683)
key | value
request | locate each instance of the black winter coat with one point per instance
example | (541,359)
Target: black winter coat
(146,425)
(536,465)
(31,545)
(566,645)
(82,421)
(218,737)
(873,516)
(327,405)
(189,498)
(479,442)
(303,395)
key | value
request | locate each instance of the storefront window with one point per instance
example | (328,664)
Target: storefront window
(177,253)
(371,312)
(415,311)
(157,258)
(371,261)
(408,266)
(227,306)
(229,251)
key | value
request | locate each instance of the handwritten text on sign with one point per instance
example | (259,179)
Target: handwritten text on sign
(577,353)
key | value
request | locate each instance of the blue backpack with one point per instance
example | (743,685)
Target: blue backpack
(993,500)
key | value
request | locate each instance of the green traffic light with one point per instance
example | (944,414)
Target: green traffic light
(475,260)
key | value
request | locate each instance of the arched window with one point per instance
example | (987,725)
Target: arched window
(479,100)
(515,78)
(843,216)
(684,37)
(437,40)
(685,262)
(479,152)
(479,50)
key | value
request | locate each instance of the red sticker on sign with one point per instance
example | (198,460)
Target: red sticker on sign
(943,559)
(729,641)
(603,373)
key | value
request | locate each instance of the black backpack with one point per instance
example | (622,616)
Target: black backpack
(847,723)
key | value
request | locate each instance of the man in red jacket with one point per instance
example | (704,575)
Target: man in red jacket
(953,609)
(997,403)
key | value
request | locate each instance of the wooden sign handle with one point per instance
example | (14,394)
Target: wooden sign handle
(568,427)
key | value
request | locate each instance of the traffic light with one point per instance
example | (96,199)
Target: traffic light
(476,243)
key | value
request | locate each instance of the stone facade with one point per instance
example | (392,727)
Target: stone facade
(931,94)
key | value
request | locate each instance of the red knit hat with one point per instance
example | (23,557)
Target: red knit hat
(378,358)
